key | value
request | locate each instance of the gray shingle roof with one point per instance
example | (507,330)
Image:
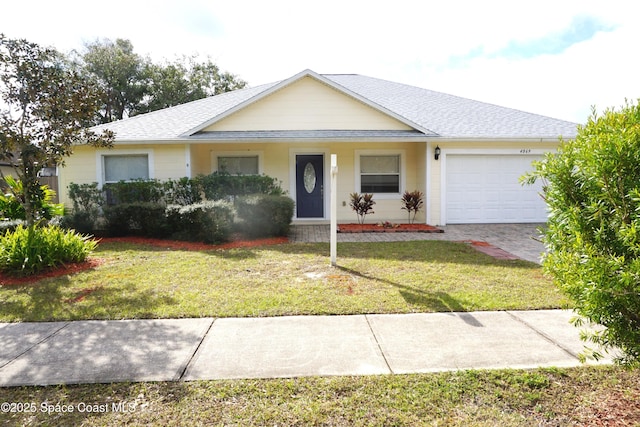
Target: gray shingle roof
(432,113)
(453,116)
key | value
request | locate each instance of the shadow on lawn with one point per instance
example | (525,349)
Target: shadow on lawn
(436,251)
(45,301)
(422,300)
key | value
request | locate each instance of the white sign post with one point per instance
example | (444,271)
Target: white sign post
(334,209)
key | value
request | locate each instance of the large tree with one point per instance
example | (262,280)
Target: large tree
(185,80)
(592,188)
(133,84)
(121,75)
(45,108)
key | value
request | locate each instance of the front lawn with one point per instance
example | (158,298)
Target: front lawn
(142,281)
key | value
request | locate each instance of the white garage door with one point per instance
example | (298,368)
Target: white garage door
(485,189)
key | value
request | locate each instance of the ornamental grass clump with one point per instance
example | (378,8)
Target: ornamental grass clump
(29,250)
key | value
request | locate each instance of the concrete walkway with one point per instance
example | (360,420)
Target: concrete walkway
(522,240)
(228,348)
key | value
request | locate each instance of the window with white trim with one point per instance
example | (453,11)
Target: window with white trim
(125,167)
(239,165)
(380,174)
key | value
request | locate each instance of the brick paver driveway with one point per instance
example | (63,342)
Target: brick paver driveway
(521,240)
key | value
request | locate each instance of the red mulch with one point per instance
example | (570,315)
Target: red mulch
(6,280)
(395,228)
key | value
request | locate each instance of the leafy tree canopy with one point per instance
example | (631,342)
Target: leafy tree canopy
(121,75)
(133,84)
(186,80)
(592,188)
(45,108)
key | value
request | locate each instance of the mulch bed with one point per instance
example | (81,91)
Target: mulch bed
(392,228)
(6,280)
(63,270)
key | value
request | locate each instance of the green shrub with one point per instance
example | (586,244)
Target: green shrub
(209,221)
(265,216)
(12,202)
(223,186)
(81,221)
(184,191)
(592,188)
(87,200)
(137,191)
(28,250)
(141,218)
(85,197)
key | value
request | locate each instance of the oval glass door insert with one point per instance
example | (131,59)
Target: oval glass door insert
(309,177)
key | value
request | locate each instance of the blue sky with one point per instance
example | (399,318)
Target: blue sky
(556,58)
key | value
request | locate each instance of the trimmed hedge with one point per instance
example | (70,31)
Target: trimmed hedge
(175,208)
(265,215)
(223,186)
(138,191)
(209,222)
(141,218)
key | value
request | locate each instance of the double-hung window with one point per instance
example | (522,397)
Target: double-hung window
(380,173)
(125,167)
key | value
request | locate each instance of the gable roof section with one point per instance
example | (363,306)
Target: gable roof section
(297,78)
(430,113)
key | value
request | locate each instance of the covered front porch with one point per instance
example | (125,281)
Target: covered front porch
(385,168)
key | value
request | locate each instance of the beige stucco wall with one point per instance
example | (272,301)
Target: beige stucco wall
(84,165)
(307,104)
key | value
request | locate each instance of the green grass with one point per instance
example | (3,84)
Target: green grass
(137,281)
(558,397)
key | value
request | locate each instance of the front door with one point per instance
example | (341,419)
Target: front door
(310,185)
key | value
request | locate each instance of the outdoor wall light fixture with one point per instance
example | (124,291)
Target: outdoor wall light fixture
(437,153)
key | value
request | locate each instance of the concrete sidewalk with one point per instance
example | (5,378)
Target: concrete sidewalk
(226,348)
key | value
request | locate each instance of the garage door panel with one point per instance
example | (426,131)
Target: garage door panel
(486,189)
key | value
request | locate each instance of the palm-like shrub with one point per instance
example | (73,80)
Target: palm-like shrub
(412,202)
(28,250)
(362,204)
